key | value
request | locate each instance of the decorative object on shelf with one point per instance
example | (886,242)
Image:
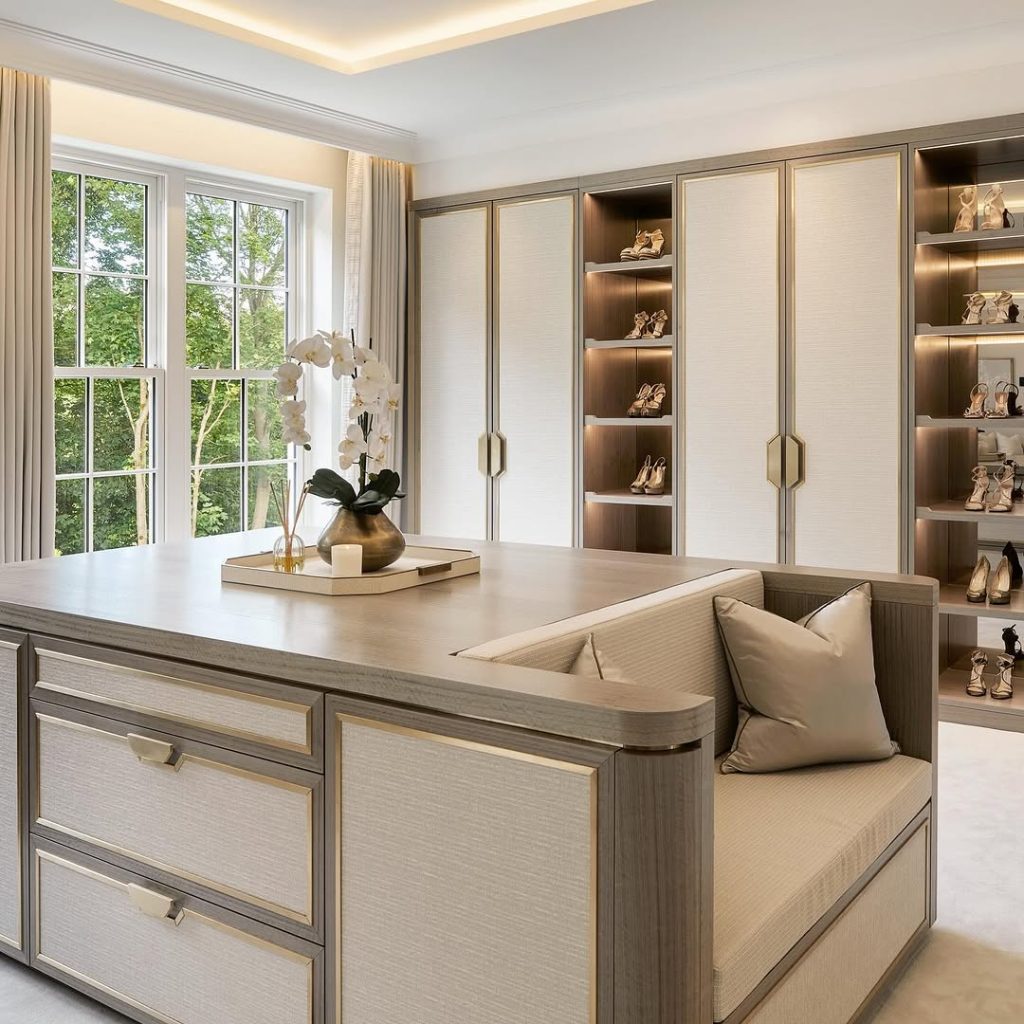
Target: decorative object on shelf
(289,549)
(994,212)
(1011,643)
(652,406)
(972,312)
(656,481)
(637,486)
(1016,571)
(999,589)
(653,245)
(639,326)
(632,252)
(976,502)
(1002,689)
(968,209)
(1001,499)
(360,518)
(976,686)
(637,407)
(977,588)
(656,325)
(976,410)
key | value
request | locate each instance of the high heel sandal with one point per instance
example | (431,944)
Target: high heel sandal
(999,591)
(656,482)
(640,322)
(1016,571)
(976,502)
(640,402)
(977,589)
(1001,408)
(656,324)
(972,311)
(1001,498)
(637,486)
(632,252)
(976,685)
(1011,643)
(1002,689)
(652,407)
(652,248)
(976,410)
(968,209)
(1001,303)
(994,213)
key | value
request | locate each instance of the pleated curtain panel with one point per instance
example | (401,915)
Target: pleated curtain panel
(375,256)
(26,323)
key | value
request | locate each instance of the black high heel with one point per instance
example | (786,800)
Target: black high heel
(1011,399)
(1016,572)
(1011,643)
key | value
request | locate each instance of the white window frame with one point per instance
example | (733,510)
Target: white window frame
(171,441)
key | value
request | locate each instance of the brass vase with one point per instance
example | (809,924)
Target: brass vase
(382,542)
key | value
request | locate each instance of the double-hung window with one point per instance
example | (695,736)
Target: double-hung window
(165,402)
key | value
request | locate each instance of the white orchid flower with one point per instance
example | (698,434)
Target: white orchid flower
(313,349)
(392,397)
(343,357)
(376,372)
(287,376)
(363,355)
(376,447)
(293,411)
(367,398)
(346,461)
(295,435)
(354,435)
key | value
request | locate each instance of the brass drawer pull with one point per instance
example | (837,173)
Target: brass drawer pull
(155,904)
(145,748)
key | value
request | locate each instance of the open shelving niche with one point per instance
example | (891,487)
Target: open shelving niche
(613,368)
(948,360)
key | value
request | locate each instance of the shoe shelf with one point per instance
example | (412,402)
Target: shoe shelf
(953,601)
(658,266)
(973,241)
(954,512)
(627,497)
(952,422)
(628,421)
(956,705)
(969,330)
(663,342)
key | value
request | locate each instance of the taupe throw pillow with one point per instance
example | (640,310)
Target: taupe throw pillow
(806,689)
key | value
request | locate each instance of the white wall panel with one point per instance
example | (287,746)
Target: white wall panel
(730,364)
(847,364)
(535,341)
(10,843)
(453,330)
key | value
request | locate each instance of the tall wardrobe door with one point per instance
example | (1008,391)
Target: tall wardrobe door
(846,325)
(730,364)
(535,300)
(453,342)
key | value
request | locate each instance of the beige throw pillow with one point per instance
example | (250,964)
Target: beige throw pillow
(806,689)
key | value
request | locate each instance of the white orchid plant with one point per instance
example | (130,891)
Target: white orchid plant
(375,400)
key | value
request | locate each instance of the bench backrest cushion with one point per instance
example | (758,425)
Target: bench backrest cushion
(668,639)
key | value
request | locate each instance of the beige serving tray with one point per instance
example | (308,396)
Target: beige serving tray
(416,567)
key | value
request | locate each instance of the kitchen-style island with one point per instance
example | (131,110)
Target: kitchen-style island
(223,804)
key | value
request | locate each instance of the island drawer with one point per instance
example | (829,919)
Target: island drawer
(159,954)
(232,829)
(240,712)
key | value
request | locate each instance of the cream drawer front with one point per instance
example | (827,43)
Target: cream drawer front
(103,928)
(228,710)
(229,827)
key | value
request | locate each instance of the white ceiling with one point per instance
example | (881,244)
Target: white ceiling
(636,66)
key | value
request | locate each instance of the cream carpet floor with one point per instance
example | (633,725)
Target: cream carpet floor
(970,971)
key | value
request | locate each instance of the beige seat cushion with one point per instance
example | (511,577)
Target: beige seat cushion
(787,846)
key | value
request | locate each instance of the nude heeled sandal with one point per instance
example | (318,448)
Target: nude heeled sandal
(976,685)
(1001,499)
(653,246)
(640,323)
(979,395)
(632,252)
(656,324)
(1001,409)
(640,402)
(972,312)
(652,407)
(977,589)
(656,482)
(999,590)
(637,486)
(976,502)
(1002,689)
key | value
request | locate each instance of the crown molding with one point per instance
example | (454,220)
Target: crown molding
(49,53)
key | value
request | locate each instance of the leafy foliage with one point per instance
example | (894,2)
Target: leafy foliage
(372,497)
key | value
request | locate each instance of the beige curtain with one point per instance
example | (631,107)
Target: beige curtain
(375,255)
(26,321)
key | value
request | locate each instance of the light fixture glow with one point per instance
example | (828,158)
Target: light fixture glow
(465,29)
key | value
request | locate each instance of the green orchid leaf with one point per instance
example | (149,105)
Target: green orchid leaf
(325,483)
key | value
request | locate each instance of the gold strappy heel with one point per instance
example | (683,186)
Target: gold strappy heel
(1001,409)
(1002,689)
(656,324)
(976,502)
(652,407)
(1001,499)
(653,246)
(637,486)
(976,410)
(976,685)
(632,252)
(640,321)
(640,402)
(656,482)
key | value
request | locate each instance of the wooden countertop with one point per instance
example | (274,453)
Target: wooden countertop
(168,600)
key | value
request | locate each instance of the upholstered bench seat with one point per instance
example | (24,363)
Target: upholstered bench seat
(788,845)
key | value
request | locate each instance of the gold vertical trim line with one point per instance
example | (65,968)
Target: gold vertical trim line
(17,943)
(342,718)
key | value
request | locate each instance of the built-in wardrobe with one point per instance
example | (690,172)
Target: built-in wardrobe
(781,354)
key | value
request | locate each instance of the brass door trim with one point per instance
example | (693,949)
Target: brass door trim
(773,451)
(794,461)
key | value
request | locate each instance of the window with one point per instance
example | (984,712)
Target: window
(238,306)
(152,380)
(104,387)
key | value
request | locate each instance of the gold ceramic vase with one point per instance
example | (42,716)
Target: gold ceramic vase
(382,542)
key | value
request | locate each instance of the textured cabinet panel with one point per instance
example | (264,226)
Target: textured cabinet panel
(847,361)
(730,364)
(453,338)
(535,247)
(205,969)
(228,828)
(467,883)
(10,805)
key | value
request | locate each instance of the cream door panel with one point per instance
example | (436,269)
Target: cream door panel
(236,831)
(10,805)
(467,889)
(730,364)
(535,316)
(847,361)
(200,970)
(453,339)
